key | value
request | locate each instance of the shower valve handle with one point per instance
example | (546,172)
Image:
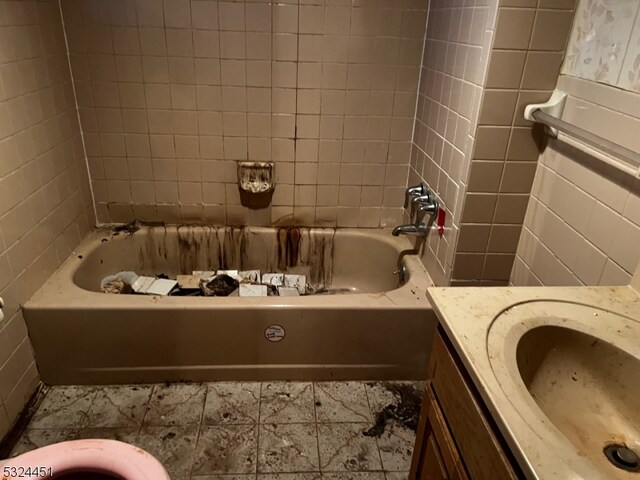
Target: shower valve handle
(415,191)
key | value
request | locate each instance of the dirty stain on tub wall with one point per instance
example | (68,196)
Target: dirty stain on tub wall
(287,250)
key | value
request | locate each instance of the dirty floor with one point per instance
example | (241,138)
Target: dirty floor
(238,431)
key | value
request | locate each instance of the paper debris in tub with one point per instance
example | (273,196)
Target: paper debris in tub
(204,274)
(219,286)
(189,282)
(153,286)
(249,290)
(288,292)
(299,282)
(244,276)
(232,273)
(249,276)
(117,287)
(274,279)
(120,283)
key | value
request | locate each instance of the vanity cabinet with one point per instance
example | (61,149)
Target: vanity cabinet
(456,438)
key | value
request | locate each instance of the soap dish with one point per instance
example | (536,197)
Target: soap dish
(256,177)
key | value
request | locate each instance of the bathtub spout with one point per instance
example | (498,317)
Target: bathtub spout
(419,231)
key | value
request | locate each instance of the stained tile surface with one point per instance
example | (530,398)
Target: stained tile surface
(237,430)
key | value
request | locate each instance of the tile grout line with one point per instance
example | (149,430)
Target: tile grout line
(258,431)
(315,417)
(366,394)
(146,410)
(200,426)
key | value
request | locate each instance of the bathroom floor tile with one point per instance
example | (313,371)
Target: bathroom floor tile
(63,407)
(224,477)
(396,447)
(396,475)
(380,395)
(126,434)
(287,402)
(120,406)
(176,404)
(221,430)
(173,446)
(354,476)
(226,449)
(343,447)
(232,403)
(290,476)
(341,402)
(32,439)
(288,448)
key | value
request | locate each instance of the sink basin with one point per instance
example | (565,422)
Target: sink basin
(572,372)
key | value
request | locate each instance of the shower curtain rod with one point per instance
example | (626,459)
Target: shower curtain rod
(606,146)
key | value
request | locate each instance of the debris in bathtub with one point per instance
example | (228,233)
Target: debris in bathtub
(288,292)
(154,286)
(117,287)
(219,286)
(249,276)
(404,410)
(232,273)
(314,290)
(273,279)
(186,292)
(121,283)
(272,291)
(133,226)
(130,228)
(188,282)
(249,290)
(299,282)
(204,274)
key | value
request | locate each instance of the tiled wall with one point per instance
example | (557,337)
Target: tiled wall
(173,93)
(583,222)
(458,40)
(605,43)
(45,203)
(528,49)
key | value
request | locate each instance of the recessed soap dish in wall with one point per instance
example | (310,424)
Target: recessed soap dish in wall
(256,177)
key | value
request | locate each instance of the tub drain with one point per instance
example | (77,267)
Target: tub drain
(622,457)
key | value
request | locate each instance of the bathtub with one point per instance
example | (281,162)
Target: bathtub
(380,329)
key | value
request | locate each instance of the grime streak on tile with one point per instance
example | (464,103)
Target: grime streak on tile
(343,447)
(287,402)
(226,449)
(288,448)
(176,404)
(232,403)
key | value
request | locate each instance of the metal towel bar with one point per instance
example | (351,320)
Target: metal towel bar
(612,149)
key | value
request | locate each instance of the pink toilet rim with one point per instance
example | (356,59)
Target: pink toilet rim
(94,455)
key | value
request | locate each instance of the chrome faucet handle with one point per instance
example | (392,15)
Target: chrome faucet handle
(417,202)
(431,208)
(414,191)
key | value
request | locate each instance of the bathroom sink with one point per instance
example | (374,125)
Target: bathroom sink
(572,372)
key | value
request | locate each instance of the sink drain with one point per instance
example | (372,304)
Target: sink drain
(622,457)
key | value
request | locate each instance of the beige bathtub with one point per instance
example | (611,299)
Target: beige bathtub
(382,329)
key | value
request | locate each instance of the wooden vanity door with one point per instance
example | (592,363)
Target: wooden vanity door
(438,457)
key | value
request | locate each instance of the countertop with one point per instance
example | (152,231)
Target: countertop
(466,315)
